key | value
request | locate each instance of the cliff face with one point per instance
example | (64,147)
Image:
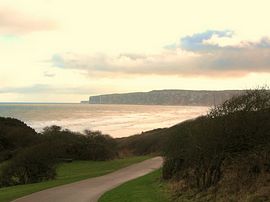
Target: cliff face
(166,97)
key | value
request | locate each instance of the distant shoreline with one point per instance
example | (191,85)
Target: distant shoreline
(166,97)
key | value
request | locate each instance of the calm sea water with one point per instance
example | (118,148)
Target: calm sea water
(116,120)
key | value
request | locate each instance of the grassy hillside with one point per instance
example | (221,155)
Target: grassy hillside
(223,156)
(67,173)
(150,142)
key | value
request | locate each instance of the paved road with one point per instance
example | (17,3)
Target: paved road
(91,189)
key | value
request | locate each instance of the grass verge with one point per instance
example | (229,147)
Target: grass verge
(68,173)
(147,188)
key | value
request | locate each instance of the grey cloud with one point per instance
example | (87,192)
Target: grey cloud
(193,58)
(48,74)
(195,42)
(132,56)
(219,62)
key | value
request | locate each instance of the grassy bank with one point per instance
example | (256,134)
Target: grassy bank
(67,173)
(147,188)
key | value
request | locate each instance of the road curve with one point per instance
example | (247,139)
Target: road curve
(91,189)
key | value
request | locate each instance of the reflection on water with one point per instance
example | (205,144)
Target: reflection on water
(116,120)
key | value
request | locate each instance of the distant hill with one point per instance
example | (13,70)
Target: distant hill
(84,102)
(167,97)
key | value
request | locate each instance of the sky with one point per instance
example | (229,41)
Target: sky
(66,51)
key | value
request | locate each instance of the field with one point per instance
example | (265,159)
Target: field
(67,173)
(147,188)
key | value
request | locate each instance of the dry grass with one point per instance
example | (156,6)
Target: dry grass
(245,179)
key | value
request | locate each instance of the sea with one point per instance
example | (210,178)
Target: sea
(115,120)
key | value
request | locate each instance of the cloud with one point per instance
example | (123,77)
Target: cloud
(263,43)
(47,89)
(38,88)
(201,41)
(201,54)
(48,74)
(57,60)
(13,22)
(214,40)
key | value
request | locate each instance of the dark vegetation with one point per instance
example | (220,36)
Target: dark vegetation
(29,157)
(150,142)
(225,155)
(14,135)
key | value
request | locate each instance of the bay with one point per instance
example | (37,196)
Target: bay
(116,120)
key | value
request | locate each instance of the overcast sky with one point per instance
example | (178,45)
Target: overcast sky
(67,50)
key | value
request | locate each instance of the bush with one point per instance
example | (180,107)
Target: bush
(171,167)
(197,149)
(100,147)
(251,100)
(32,157)
(92,145)
(150,142)
(34,164)
(15,136)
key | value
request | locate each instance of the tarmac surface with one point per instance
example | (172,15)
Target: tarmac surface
(91,189)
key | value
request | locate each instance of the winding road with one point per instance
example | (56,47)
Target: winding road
(91,189)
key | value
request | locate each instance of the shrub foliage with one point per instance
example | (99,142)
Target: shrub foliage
(28,157)
(198,149)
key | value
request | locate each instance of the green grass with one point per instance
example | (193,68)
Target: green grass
(67,173)
(147,188)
